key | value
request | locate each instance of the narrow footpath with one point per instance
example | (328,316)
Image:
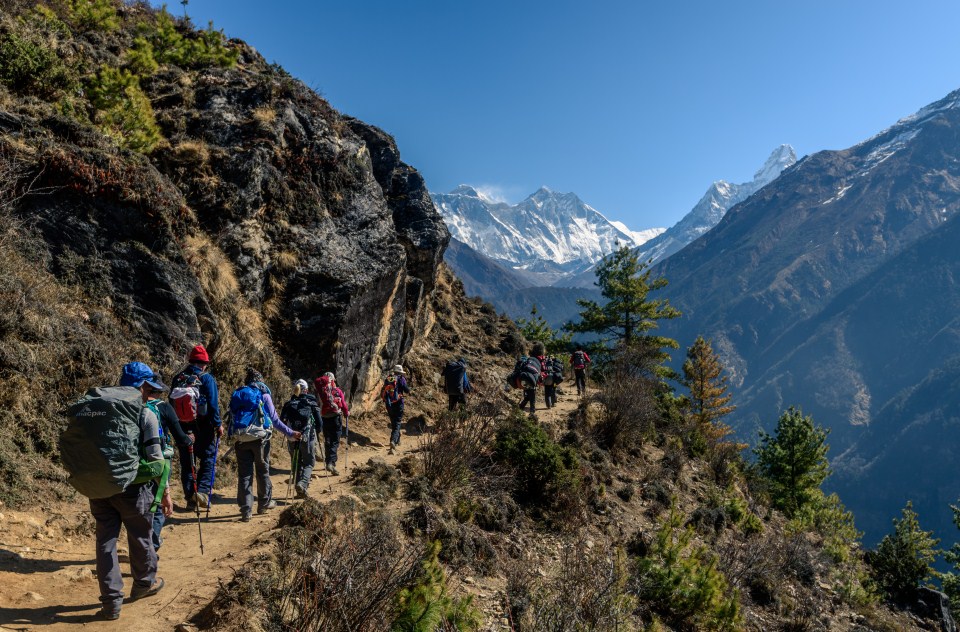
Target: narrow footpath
(47,577)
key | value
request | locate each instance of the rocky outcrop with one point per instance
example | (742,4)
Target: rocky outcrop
(268,226)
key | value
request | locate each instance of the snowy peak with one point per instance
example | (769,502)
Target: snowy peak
(782,157)
(549,233)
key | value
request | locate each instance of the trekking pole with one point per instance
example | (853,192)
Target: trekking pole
(293,469)
(196,505)
(213,476)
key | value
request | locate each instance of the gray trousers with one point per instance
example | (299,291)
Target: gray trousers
(306,458)
(250,458)
(130,508)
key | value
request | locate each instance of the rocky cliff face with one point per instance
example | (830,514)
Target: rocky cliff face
(265,224)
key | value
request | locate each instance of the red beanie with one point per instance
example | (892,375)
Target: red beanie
(198,354)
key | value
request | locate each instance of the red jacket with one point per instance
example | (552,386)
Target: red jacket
(583,365)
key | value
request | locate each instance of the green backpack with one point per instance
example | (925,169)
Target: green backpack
(100,447)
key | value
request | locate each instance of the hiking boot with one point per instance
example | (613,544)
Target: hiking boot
(245,516)
(392,449)
(191,506)
(265,508)
(108,614)
(299,492)
(139,592)
(202,500)
(333,470)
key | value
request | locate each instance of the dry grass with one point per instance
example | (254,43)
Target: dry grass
(54,345)
(265,115)
(192,152)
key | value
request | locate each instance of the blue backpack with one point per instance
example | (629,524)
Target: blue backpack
(246,411)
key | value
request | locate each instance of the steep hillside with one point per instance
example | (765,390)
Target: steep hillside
(195,193)
(822,291)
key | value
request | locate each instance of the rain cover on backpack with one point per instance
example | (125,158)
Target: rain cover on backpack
(100,447)
(246,410)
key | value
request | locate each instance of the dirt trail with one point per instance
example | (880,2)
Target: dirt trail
(47,580)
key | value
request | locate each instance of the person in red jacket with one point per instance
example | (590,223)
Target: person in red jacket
(579,361)
(333,409)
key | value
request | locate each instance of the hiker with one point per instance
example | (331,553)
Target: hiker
(392,393)
(333,408)
(579,361)
(96,449)
(302,413)
(553,375)
(253,417)
(535,364)
(135,374)
(456,383)
(195,398)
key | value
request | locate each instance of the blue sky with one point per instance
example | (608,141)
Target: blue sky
(635,106)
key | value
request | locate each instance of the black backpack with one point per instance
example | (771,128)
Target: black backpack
(453,377)
(528,371)
(298,412)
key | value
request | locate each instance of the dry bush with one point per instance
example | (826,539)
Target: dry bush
(457,454)
(265,115)
(630,410)
(335,567)
(587,590)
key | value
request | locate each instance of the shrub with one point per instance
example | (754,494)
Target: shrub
(951,580)
(123,111)
(29,65)
(334,567)
(140,58)
(206,48)
(828,517)
(426,605)
(457,452)
(904,558)
(544,470)
(681,581)
(94,15)
(587,590)
(630,410)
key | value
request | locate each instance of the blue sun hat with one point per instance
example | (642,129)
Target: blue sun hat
(136,373)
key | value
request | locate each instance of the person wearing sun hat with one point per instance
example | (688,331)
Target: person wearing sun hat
(392,393)
(133,509)
(302,413)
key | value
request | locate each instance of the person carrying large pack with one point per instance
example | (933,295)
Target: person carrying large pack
(579,361)
(134,374)
(112,449)
(333,408)
(195,397)
(392,393)
(252,419)
(553,375)
(456,383)
(531,376)
(302,414)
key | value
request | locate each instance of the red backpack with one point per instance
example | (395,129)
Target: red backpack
(328,398)
(185,397)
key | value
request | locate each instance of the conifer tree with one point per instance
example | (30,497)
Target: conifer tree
(793,461)
(536,329)
(703,375)
(629,313)
(951,580)
(904,558)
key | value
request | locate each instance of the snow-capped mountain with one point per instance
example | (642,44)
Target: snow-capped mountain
(719,198)
(551,235)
